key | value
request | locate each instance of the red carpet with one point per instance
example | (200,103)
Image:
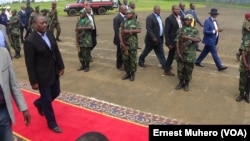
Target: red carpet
(75,121)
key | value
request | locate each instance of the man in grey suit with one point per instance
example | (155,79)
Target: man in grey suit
(9,88)
(3,35)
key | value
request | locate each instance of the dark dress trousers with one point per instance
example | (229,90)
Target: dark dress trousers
(171,27)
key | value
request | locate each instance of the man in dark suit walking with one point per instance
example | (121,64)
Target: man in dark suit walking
(172,24)
(116,25)
(211,36)
(154,38)
(44,66)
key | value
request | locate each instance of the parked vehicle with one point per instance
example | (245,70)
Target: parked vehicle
(99,7)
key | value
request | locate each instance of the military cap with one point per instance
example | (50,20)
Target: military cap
(53,3)
(188,16)
(130,11)
(83,11)
(36,6)
(14,11)
(44,10)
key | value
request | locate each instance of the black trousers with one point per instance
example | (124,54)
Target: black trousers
(119,61)
(47,95)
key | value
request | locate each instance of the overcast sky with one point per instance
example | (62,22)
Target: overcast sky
(5,1)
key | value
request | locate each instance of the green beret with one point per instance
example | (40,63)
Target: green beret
(130,11)
(188,16)
(83,10)
(44,10)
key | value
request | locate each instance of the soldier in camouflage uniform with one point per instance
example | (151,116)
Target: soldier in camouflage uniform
(14,34)
(31,18)
(84,40)
(54,22)
(45,14)
(244,81)
(129,29)
(186,38)
(245,33)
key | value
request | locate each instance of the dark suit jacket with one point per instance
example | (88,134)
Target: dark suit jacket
(116,25)
(209,37)
(23,18)
(42,63)
(171,27)
(153,30)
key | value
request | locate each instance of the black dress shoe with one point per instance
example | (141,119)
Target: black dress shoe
(222,68)
(39,108)
(142,65)
(169,73)
(199,50)
(58,40)
(199,65)
(56,129)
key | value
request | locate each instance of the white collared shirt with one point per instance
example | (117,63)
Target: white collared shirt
(45,38)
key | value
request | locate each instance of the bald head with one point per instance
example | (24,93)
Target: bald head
(123,9)
(157,9)
(40,23)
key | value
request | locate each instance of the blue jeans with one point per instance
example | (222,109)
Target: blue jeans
(5,125)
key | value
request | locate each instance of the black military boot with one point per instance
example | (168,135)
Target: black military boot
(240,97)
(15,55)
(180,85)
(247,97)
(87,67)
(186,85)
(132,76)
(57,38)
(82,67)
(126,76)
(18,55)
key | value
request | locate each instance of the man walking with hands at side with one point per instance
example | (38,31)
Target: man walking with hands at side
(44,66)
(211,37)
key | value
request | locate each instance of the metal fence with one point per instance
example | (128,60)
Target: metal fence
(238,2)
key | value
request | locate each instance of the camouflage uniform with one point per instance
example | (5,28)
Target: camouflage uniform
(14,35)
(131,41)
(85,42)
(31,20)
(185,67)
(244,80)
(54,23)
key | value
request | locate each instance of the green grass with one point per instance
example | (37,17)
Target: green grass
(141,5)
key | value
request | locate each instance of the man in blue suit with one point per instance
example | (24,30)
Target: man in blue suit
(211,31)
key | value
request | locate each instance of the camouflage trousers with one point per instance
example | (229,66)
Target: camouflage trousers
(185,70)
(53,26)
(15,43)
(84,54)
(244,82)
(130,60)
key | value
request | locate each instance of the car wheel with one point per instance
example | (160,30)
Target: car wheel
(72,12)
(101,11)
